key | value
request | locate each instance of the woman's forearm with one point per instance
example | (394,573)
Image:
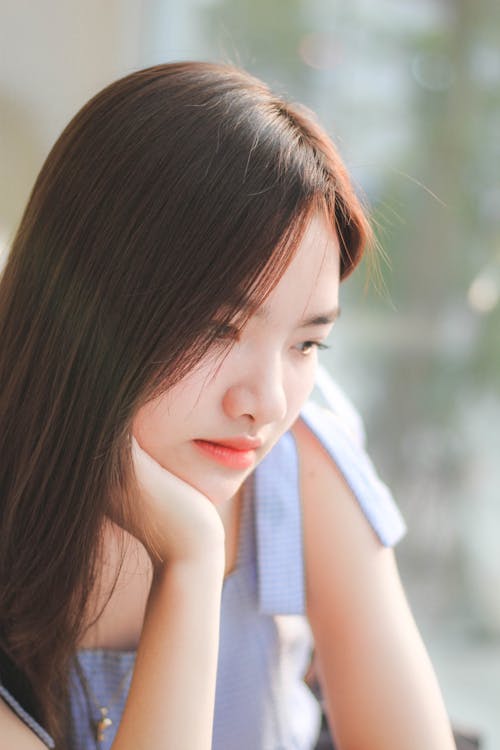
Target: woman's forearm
(172,694)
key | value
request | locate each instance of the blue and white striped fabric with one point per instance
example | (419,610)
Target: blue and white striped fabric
(265,646)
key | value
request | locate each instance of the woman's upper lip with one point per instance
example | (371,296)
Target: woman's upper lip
(237,443)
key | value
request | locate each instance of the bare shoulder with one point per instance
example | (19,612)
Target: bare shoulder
(326,496)
(369,655)
(15,733)
(343,555)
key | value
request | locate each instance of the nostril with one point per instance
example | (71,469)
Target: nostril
(261,401)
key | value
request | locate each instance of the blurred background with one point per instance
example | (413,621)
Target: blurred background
(410,92)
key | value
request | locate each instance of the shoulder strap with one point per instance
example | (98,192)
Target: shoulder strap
(17,692)
(16,683)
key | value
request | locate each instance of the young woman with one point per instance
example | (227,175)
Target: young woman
(174,274)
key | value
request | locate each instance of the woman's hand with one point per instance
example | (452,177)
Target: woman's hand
(174,521)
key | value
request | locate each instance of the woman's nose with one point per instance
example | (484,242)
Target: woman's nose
(259,394)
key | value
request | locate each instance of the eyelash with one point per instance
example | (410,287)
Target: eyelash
(225,332)
(310,345)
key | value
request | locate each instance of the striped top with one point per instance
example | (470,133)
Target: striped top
(262,702)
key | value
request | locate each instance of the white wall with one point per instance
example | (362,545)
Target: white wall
(55,54)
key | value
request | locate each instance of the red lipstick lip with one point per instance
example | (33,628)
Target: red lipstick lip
(237,443)
(227,454)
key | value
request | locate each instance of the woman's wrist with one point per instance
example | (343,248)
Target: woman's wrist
(205,566)
(176,663)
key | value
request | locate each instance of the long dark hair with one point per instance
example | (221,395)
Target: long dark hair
(174,194)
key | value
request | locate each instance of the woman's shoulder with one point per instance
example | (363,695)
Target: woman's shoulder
(14,731)
(327,500)
(334,465)
(348,535)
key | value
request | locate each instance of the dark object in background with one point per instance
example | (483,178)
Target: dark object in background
(467,740)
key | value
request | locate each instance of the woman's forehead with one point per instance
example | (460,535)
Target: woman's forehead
(307,292)
(314,264)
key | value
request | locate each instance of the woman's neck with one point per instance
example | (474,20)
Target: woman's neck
(119,625)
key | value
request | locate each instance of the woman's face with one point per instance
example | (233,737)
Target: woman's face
(215,425)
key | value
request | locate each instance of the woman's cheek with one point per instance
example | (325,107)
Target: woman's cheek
(300,387)
(149,427)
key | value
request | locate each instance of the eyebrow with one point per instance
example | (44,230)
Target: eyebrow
(322,319)
(318,319)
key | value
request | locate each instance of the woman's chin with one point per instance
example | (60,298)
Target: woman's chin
(217,487)
(217,491)
(220,496)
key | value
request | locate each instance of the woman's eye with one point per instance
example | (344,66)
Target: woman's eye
(306,347)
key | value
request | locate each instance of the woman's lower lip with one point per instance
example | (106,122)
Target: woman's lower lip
(235,459)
